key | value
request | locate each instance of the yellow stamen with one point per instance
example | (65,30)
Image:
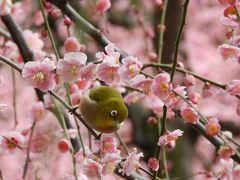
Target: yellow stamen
(74,70)
(39,76)
(164,86)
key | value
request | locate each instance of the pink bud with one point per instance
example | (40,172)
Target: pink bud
(56,13)
(209,174)
(63,145)
(44,33)
(103,5)
(180,65)
(71,44)
(153,163)
(189,80)
(151,120)
(152,56)
(212,127)
(67,21)
(159,3)
(189,115)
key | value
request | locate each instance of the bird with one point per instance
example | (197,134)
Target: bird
(103,108)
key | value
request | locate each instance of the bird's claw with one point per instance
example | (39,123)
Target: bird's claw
(73,110)
(98,137)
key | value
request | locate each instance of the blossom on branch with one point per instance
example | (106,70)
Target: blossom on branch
(70,66)
(40,75)
(169,136)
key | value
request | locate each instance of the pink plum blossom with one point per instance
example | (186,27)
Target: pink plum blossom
(71,44)
(33,40)
(169,136)
(132,163)
(108,71)
(40,143)
(11,50)
(38,18)
(5,7)
(155,104)
(194,97)
(142,83)
(229,52)
(110,161)
(173,100)
(225,152)
(212,127)
(87,72)
(133,97)
(83,85)
(131,67)
(48,102)
(228,23)
(70,66)
(103,5)
(38,111)
(108,144)
(226,171)
(153,163)
(110,52)
(161,86)
(40,74)
(189,115)
(11,141)
(92,169)
(234,87)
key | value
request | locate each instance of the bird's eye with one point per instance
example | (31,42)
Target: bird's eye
(113,113)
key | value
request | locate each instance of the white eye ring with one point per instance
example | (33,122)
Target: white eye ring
(113,113)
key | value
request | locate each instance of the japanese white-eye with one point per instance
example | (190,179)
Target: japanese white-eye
(103,108)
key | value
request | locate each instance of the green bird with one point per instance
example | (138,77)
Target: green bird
(103,108)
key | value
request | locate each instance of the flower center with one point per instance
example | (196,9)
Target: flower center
(39,76)
(11,143)
(131,69)
(74,70)
(163,86)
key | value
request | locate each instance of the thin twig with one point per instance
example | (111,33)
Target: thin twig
(161,132)
(49,30)
(66,85)
(161,33)
(14,98)
(122,143)
(179,36)
(169,66)
(28,150)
